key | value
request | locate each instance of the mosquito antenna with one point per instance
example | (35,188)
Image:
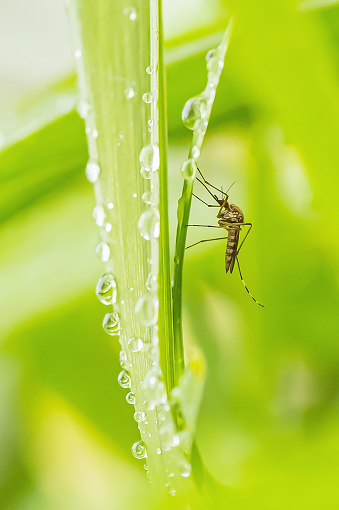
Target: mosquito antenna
(245,283)
(230,187)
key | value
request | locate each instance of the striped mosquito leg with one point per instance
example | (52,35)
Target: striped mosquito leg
(243,281)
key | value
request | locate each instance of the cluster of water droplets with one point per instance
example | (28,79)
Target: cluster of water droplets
(196,111)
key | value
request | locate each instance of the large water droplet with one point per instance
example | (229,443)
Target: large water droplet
(149,224)
(129,92)
(103,251)
(150,157)
(106,289)
(111,324)
(139,416)
(124,379)
(130,397)
(135,344)
(99,215)
(139,450)
(149,70)
(146,309)
(92,171)
(194,110)
(147,97)
(189,169)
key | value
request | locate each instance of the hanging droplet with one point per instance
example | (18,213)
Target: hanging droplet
(106,289)
(194,110)
(135,344)
(188,169)
(146,309)
(130,398)
(131,13)
(139,450)
(149,70)
(139,416)
(147,197)
(124,379)
(147,97)
(103,251)
(99,215)
(111,324)
(92,171)
(149,224)
(129,92)
(150,157)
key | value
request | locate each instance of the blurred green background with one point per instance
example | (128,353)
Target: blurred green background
(269,421)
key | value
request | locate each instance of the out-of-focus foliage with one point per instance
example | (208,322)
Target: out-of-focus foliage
(269,422)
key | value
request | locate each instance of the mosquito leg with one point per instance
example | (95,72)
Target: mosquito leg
(246,285)
(208,205)
(206,182)
(248,231)
(209,191)
(210,226)
(205,241)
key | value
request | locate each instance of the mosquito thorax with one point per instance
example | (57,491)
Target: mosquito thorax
(232,215)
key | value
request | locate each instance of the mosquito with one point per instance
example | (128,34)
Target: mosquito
(231,218)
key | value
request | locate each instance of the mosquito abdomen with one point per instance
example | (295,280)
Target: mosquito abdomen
(231,248)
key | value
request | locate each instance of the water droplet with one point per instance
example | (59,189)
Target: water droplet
(135,195)
(146,309)
(92,171)
(135,344)
(211,54)
(139,416)
(131,13)
(103,251)
(78,53)
(150,122)
(149,70)
(111,324)
(99,215)
(139,450)
(189,169)
(151,281)
(106,289)
(194,110)
(152,352)
(158,451)
(130,397)
(95,133)
(82,108)
(108,227)
(129,92)
(149,224)
(124,379)
(147,197)
(195,152)
(110,204)
(147,97)
(122,358)
(146,174)
(175,440)
(150,157)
